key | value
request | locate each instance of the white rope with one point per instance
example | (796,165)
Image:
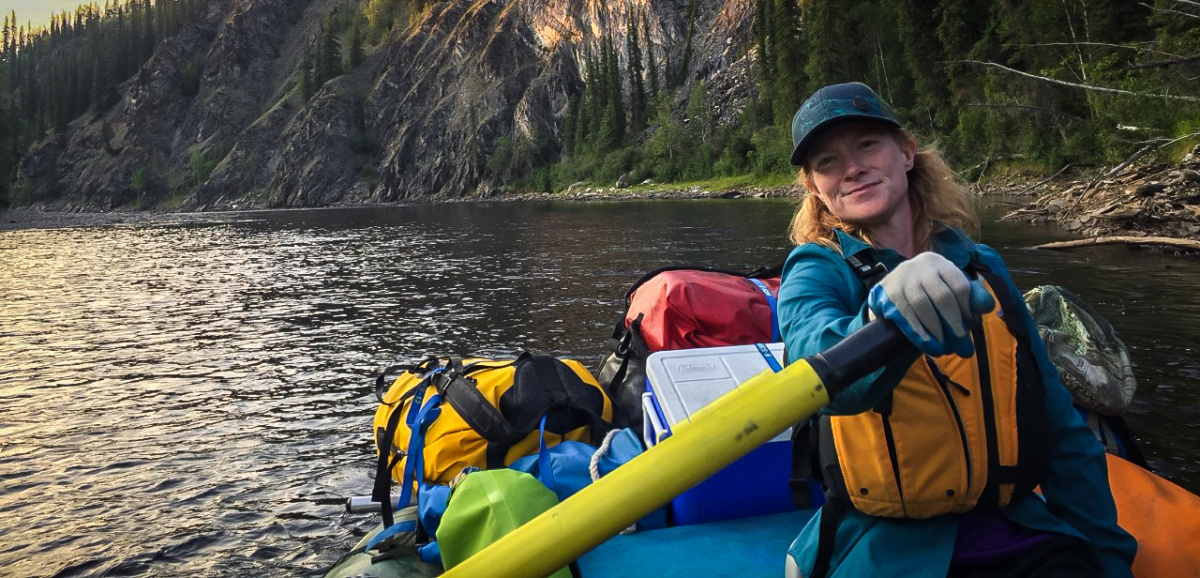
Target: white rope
(594,467)
(594,464)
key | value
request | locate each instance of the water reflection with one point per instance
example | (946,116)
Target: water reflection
(185,399)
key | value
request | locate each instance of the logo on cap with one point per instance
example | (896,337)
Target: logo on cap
(861,103)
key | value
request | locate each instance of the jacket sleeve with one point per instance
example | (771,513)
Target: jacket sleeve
(821,302)
(1076,487)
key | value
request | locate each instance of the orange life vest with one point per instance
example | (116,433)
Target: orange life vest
(956,433)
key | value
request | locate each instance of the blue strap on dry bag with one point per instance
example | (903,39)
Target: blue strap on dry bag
(563,467)
(413,466)
(772,303)
(545,471)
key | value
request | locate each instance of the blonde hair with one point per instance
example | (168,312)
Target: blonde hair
(933,188)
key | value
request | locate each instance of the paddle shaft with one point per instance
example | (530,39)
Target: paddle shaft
(717,435)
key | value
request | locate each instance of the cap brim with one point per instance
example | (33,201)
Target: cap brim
(801,149)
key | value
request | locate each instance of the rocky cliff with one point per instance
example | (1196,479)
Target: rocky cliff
(418,118)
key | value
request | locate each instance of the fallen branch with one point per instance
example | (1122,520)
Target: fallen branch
(1104,44)
(1082,86)
(1024,107)
(1166,11)
(1184,137)
(1163,63)
(983,170)
(1088,190)
(1117,169)
(1044,181)
(1177,243)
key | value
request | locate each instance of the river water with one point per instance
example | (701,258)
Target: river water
(194,398)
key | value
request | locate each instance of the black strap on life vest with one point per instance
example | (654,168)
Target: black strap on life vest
(831,516)
(805,457)
(867,268)
(836,496)
(1032,424)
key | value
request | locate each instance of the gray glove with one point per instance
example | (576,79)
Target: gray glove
(932,302)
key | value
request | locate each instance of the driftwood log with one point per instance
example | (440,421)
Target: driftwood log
(1125,240)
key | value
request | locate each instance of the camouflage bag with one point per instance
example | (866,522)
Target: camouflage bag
(1093,362)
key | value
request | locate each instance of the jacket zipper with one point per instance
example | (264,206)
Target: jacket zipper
(890,438)
(944,381)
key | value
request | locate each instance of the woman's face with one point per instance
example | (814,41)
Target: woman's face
(860,171)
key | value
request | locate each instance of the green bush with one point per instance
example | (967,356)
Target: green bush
(23,194)
(140,181)
(190,75)
(202,164)
(772,151)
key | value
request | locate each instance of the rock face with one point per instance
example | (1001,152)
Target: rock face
(419,118)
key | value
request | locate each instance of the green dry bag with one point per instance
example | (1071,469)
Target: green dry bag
(486,505)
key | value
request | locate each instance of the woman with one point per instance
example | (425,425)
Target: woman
(929,463)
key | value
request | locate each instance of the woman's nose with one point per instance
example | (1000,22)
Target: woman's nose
(854,166)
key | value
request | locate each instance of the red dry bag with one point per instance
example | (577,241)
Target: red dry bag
(681,308)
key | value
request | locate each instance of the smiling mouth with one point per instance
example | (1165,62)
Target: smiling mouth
(860,189)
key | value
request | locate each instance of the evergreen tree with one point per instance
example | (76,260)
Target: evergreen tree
(122,42)
(615,113)
(329,54)
(788,60)
(830,55)
(961,26)
(570,125)
(355,53)
(637,84)
(104,93)
(597,96)
(581,139)
(307,85)
(7,36)
(608,137)
(924,56)
(652,76)
(147,33)
(677,76)
(190,75)
(763,35)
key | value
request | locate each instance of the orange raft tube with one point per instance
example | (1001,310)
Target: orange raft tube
(1164,518)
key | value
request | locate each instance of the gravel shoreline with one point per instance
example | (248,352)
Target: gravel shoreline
(68,216)
(72,216)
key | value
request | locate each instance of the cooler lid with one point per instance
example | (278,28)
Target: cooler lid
(685,380)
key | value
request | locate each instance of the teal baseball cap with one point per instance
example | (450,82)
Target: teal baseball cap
(833,105)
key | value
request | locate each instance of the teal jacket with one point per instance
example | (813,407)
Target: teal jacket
(820,302)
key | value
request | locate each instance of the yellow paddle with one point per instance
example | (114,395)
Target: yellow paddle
(717,435)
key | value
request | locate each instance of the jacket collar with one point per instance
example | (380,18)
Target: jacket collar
(951,242)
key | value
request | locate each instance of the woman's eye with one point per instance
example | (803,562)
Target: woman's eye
(824,161)
(868,143)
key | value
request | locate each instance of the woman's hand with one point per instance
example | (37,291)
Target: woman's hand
(932,302)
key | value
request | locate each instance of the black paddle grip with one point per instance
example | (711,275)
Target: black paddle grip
(860,353)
